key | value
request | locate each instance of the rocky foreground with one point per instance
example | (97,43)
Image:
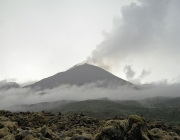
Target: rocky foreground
(48,126)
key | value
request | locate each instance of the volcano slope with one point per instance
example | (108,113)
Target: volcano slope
(48,126)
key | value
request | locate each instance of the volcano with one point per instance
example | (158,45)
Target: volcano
(79,75)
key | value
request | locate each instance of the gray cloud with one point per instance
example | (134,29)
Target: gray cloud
(145,73)
(129,72)
(146,26)
(8,80)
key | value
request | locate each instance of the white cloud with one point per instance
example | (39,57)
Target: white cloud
(148,34)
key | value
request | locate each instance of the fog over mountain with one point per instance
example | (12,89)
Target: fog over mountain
(26,96)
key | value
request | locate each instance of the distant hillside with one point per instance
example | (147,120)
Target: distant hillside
(104,109)
(101,109)
(159,102)
(80,75)
(39,106)
(130,103)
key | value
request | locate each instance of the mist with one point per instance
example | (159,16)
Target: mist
(26,96)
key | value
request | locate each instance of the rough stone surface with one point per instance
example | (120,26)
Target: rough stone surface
(48,126)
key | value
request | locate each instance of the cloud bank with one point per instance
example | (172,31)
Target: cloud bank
(23,96)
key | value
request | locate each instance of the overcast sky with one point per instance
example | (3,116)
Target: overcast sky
(137,41)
